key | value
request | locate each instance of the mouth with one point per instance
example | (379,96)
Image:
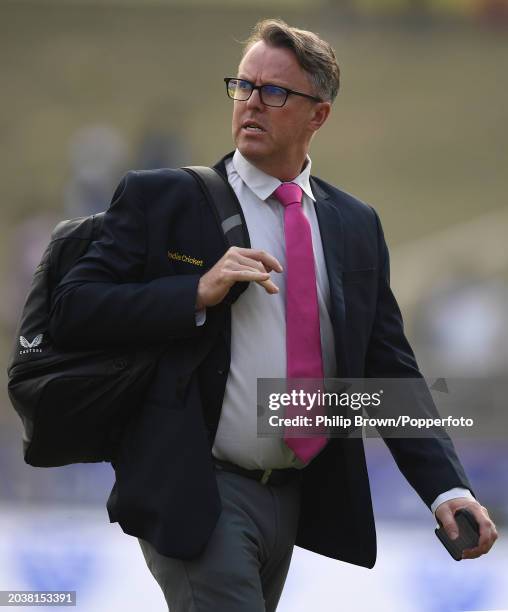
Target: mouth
(252,127)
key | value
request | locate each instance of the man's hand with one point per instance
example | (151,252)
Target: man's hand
(237,264)
(488,533)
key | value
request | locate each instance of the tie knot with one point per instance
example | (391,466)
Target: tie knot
(288,193)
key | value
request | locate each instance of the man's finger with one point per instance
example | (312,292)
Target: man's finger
(488,533)
(262,256)
(448,521)
(248,273)
(471,553)
(252,275)
(245,273)
(486,537)
(477,551)
(254,263)
(270,286)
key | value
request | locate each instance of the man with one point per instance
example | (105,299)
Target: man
(217,509)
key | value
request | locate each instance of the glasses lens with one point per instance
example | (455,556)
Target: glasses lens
(273,95)
(239,89)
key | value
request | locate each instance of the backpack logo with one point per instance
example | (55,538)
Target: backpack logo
(31,347)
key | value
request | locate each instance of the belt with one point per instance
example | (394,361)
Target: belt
(270,477)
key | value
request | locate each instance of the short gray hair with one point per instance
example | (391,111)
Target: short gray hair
(313,54)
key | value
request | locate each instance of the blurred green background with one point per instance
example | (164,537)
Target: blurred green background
(418,129)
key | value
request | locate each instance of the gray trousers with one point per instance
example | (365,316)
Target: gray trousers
(246,561)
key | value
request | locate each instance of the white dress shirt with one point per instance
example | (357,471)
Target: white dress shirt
(258,321)
(258,324)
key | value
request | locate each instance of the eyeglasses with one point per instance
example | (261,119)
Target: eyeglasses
(271,95)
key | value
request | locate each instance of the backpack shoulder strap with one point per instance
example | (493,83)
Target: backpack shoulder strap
(224,203)
(228,212)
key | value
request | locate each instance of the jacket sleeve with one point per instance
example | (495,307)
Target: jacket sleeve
(430,464)
(102,302)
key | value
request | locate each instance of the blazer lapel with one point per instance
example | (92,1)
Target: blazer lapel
(331,227)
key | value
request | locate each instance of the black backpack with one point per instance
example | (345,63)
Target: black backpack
(74,405)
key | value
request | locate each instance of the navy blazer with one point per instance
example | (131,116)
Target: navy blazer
(137,285)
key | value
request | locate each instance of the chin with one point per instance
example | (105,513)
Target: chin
(251,150)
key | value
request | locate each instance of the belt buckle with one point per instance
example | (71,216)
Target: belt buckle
(265,476)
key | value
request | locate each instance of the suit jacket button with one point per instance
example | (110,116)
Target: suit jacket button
(220,371)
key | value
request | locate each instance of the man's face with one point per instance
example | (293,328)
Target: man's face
(280,147)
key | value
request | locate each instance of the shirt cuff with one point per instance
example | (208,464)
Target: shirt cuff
(451,494)
(200,317)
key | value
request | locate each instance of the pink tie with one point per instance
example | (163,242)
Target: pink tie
(303,338)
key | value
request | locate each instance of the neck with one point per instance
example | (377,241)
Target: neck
(284,172)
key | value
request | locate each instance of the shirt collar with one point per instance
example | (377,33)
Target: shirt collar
(262,184)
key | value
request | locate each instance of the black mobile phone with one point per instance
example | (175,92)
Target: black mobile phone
(469,534)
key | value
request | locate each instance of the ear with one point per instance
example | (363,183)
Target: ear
(320,115)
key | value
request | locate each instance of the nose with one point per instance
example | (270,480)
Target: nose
(255,100)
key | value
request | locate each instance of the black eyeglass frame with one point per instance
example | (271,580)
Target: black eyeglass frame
(260,89)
